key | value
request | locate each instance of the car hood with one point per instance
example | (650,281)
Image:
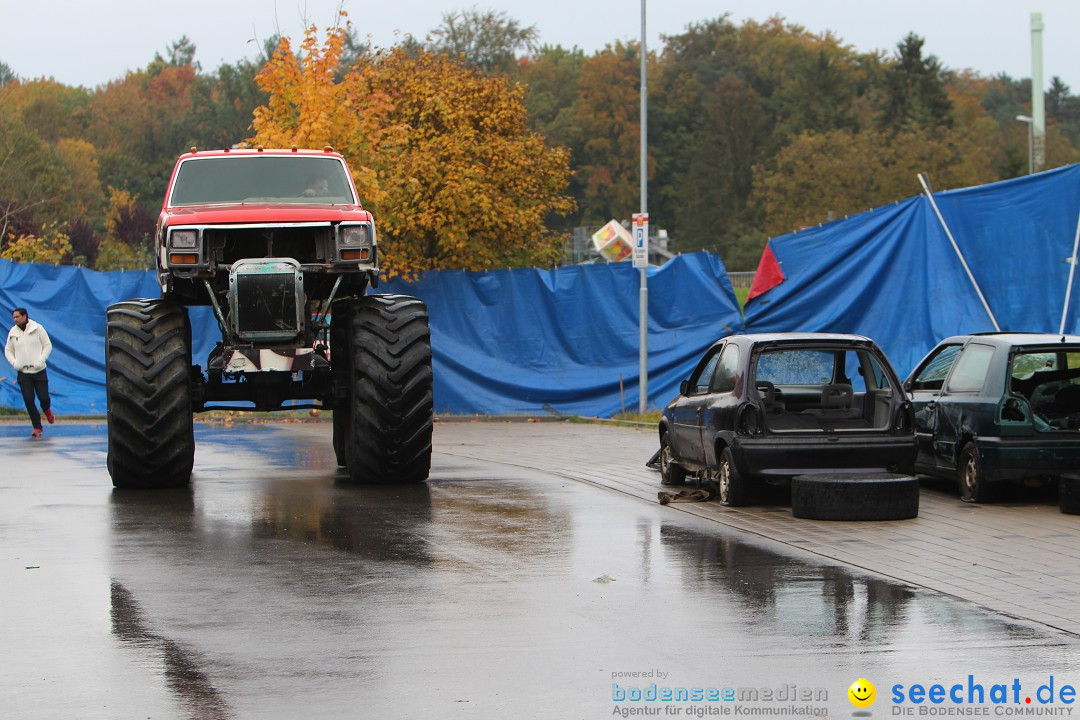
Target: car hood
(261,213)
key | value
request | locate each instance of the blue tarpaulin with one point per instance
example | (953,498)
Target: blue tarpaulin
(891,273)
(508,341)
(522,341)
(70,303)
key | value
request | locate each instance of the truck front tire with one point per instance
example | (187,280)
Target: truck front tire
(148,385)
(390,397)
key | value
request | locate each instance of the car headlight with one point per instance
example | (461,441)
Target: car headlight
(184,239)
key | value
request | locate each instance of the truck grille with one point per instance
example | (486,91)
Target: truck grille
(304,244)
(266,300)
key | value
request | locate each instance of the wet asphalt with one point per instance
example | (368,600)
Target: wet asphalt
(273,589)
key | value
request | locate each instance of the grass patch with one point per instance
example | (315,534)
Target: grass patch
(651,417)
(740,295)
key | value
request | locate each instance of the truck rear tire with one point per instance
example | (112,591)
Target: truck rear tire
(391,410)
(148,385)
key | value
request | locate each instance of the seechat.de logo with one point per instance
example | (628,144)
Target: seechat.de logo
(862,693)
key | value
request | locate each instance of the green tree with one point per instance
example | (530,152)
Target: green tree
(32,182)
(7,75)
(1064,109)
(485,39)
(915,93)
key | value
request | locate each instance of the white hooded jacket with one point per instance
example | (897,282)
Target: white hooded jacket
(27,350)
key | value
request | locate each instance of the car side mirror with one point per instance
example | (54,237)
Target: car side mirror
(684,387)
(907,386)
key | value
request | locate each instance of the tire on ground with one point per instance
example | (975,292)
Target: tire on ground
(148,386)
(970,476)
(732,487)
(869,496)
(1069,494)
(391,402)
(670,472)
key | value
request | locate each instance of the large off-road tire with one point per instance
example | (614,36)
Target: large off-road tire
(391,403)
(869,496)
(732,487)
(341,361)
(970,476)
(670,472)
(148,385)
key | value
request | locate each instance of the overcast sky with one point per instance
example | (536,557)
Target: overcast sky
(89,42)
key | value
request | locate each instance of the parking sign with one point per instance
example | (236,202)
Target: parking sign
(641,240)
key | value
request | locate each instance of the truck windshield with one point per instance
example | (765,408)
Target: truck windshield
(263,178)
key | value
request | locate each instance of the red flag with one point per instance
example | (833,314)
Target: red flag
(768,274)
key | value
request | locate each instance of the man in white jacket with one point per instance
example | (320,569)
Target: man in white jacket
(28,347)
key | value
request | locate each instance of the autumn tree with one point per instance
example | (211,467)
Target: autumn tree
(729,97)
(843,172)
(441,152)
(128,241)
(51,247)
(606,115)
(551,77)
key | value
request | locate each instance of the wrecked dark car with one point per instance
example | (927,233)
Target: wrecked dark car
(764,408)
(998,407)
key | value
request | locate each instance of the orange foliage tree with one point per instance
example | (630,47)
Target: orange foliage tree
(440,153)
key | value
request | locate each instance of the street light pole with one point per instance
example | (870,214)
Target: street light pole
(643,305)
(1031,141)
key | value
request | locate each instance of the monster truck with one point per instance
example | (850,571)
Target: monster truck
(277,244)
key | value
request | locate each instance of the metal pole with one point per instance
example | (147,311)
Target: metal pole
(1038,114)
(1031,141)
(956,248)
(1072,270)
(643,305)
(1031,148)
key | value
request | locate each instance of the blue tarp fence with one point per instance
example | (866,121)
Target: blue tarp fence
(891,273)
(509,341)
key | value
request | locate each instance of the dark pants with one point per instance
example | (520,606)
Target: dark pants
(31,383)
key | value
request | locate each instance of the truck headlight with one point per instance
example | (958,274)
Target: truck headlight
(184,239)
(355,236)
(356,243)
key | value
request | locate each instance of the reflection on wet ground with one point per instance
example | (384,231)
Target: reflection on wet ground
(181,672)
(273,589)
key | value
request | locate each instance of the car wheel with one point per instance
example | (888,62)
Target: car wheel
(871,496)
(1069,494)
(731,485)
(670,472)
(970,476)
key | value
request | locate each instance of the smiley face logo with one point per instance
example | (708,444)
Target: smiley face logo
(862,693)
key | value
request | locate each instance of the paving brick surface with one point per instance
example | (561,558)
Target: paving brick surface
(1021,559)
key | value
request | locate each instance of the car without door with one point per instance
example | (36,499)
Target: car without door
(998,407)
(765,408)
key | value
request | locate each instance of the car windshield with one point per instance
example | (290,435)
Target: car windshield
(796,367)
(1050,381)
(265,178)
